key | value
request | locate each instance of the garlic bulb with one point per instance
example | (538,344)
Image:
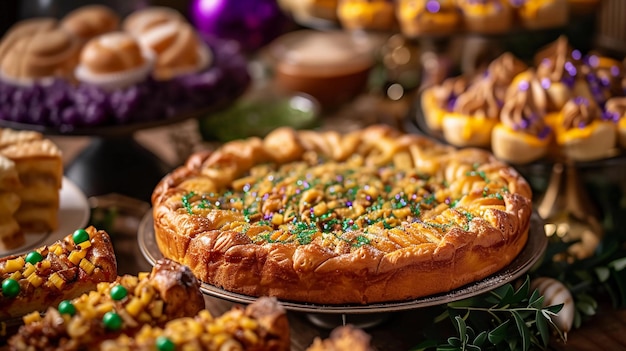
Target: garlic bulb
(555,293)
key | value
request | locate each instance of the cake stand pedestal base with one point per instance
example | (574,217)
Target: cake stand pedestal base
(117,165)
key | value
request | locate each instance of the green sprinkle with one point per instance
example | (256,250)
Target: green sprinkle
(33,257)
(66,307)
(186,203)
(361,240)
(118,292)
(164,344)
(80,236)
(112,321)
(10,287)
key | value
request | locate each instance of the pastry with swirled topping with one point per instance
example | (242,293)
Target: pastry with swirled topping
(582,134)
(522,135)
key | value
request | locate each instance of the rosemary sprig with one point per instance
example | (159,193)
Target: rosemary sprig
(502,319)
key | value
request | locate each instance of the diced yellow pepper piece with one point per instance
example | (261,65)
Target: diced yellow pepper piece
(30,269)
(85,244)
(87,266)
(56,280)
(76,256)
(14,265)
(35,280)
(16,275)
(31,317)
(134,307)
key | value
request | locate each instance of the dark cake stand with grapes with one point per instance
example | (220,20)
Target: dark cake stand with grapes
(114,162)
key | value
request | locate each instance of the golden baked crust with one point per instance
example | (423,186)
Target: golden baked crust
(66,271)
(168,292)
(370,216)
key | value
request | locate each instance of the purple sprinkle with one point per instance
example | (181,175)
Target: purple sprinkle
(524,124)
(298,191)
(576,55)
(544,133)
(605,81)
(349,203)
(523,85)
(447,200)
(546,61)
(414,196)
(615,71)
(433,6)
(268,216)
(517,3)
(397,196)
(570,68)
(610,116)
(339,178)
(312,210)
(266,196)
(579,100)
(368,198)
(582,125)
(594,60)
(546,83)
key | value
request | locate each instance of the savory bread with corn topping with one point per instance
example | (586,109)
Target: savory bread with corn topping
(262,325)
(50,274)
(124,306)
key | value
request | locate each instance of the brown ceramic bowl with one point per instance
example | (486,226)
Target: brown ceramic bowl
(331,66)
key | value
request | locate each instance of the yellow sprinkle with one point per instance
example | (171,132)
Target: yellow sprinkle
(85,244)
(57,280)
(35,280)
(77,255)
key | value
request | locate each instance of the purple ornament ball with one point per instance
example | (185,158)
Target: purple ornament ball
(252,23)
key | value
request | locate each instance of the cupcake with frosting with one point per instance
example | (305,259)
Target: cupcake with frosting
(487,16)
(433,17)
(541,14)
(438,100)
(604,76)
(522,135)
(473,116)
(615,110)
(583,135)
(366,14)
(503,70)
(113,61)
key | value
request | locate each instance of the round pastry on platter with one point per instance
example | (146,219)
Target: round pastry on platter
(370,216)
(113,60)
(438,100)
(522,136)
(41,55)
(541,14)
(615,110)
(177,48)
(433,17)
(367,14)
(473,116)
(24,29)
(90,21)
(582,134)
(487,17)
(142,20)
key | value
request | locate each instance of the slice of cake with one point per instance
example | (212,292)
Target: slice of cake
(40,169)
(11,236)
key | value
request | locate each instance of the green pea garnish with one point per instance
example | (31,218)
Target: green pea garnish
(80,236)
(118,292)
(66,307)
(112,321)
(33,257)
(10,287)
(165,344)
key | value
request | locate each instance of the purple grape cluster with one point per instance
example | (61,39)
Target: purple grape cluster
(67,107)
